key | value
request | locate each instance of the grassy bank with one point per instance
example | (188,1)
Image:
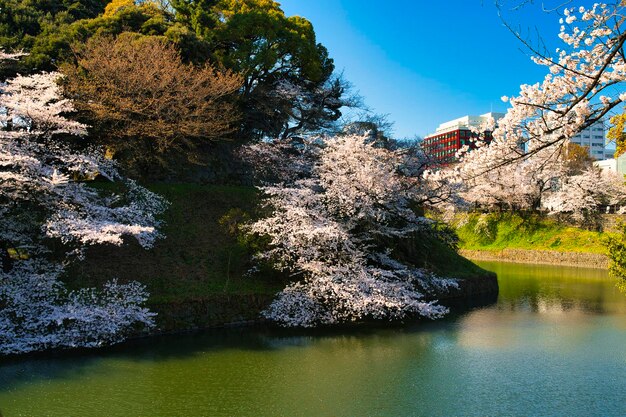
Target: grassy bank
(432,254)
(197,275)
(498,231)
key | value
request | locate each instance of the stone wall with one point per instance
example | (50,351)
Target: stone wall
(589,260)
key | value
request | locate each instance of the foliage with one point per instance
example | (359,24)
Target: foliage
(142,99)
(377,126)
(288,87)
(446,235)
(616,132)
(485,228)
(616,246)
(288,83)
(117,6)
(48,29)
(577,159)
(44,199)
(334,228)
(34,25)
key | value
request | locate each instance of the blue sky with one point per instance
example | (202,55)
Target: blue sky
(426,62)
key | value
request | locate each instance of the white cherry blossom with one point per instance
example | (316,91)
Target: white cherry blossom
(329,230)
(46,194)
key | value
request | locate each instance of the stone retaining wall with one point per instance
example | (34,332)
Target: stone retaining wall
(588,260)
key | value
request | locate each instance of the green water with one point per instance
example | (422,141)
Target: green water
(553,344)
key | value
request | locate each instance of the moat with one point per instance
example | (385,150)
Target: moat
(554,343)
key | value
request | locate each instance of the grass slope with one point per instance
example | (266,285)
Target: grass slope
(196,275)
(497,231)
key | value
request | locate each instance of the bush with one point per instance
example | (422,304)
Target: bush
(616,246)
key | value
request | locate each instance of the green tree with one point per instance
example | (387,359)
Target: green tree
(271,51)
(616,132)
(47,33)
(34,25)
(288,89)
(616,247)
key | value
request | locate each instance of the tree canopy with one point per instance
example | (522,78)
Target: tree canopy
(331,220)
(288,82)
(288,77)
(141,99)
(34,26)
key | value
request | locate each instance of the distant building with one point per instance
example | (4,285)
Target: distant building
(617,165)
(593,139)
(451,136)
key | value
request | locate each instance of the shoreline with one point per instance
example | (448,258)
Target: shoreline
(199,315)
(544,257)
(473,292)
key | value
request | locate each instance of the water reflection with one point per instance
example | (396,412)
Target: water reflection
(551,289)
(552,345)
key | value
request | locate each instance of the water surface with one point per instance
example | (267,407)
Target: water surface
(553,344)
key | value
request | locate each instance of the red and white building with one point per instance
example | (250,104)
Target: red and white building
(451,136)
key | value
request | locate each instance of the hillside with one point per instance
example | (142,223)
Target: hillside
(197,275)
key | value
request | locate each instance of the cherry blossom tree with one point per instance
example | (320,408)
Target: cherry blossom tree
(581,195)
(517,186)
(45,198)
(541,183)
(332,229)
(584,84)
(524,167)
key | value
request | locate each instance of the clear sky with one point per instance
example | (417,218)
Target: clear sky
(426,62)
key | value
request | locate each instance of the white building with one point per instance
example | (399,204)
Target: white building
(467,122)
(593,139)
(617,165)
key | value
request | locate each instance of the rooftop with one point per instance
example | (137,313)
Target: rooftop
(466,122)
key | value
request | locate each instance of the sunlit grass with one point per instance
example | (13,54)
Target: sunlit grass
(500,231)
